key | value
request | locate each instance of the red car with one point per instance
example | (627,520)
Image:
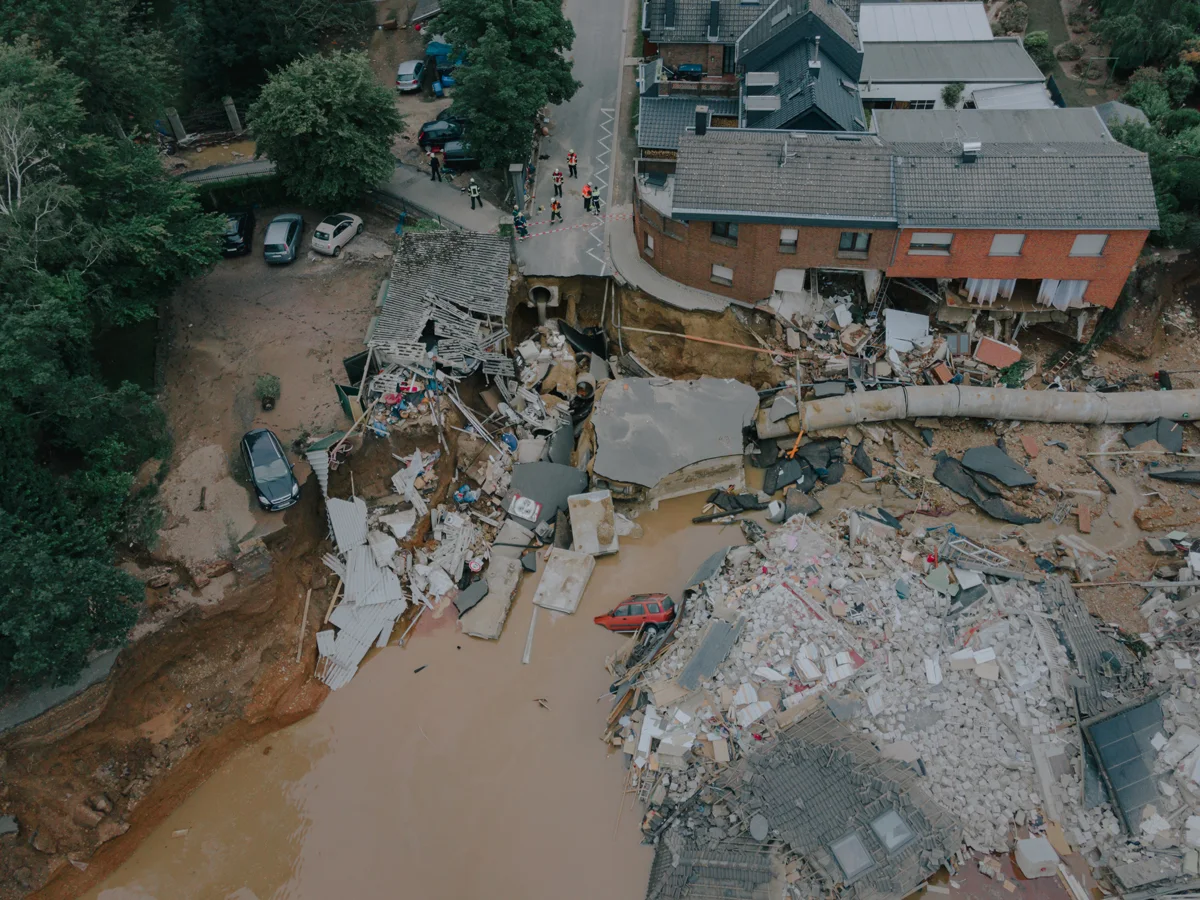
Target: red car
(652,610)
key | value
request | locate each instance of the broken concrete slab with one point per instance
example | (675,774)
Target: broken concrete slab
(951,473)
(1168,434)
(546,483)
(593,523)
(719,638)
(783,406)
(8,825)
(647,429)
(1181,476)
(562,443)
(994,462)
(469,596)
(825,389)
(564,579)
(862,460)
(905,331)
(511,540)
(796,502)
(486,619)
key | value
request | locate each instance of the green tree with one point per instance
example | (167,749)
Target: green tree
(516,65)
(229,46)
(1174,175)
(92,233)
(1150,97)
(328,126)
(1147,32)
(952,93)
(1179,81)
(1037,45)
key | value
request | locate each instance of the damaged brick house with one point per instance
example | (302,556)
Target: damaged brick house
(1028,215)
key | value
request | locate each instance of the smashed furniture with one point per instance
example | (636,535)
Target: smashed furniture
(656,438)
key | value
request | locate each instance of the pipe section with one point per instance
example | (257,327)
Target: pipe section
(948,401)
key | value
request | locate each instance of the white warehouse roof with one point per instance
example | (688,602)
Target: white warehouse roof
(908,22)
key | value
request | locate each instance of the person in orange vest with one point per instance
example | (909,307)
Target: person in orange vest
(557,175)
(572,163)
(587,197)
(555,210)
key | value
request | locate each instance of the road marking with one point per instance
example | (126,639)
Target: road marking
(605,142)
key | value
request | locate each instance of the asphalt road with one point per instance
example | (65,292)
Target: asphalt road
(585,123)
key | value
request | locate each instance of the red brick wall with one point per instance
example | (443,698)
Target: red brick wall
(1045,254)
(756,258)
(711,56)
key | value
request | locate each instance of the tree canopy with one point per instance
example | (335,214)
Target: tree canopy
(93,233)
(515,66)
(328,126)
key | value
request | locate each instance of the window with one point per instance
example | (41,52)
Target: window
(722,275)
(788,239)
(930,243)
(1007,245)
(920,104)
(649,248)
(636,609)
(852,855)
(653,607)
(729,58)
(893,832)
(1089,244)
(725,232)
(854,242)
(668,603)
(621,612)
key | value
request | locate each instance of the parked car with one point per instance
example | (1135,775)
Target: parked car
(238,238)
(459,155)
(652,610)
(437,133)
(282,240)
(449,114)
(275,485)
(335,232)
(409,75)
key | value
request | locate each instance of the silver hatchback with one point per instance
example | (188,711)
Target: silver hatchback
(282,240)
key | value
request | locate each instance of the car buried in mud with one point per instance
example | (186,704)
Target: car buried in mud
(654,611)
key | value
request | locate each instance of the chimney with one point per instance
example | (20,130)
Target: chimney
(669,14)
(814,64)
(701,120)
(970,151)
(714,18)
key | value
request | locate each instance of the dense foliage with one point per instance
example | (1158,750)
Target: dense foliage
(1148,32)
(515,66)
(328,126)
(92,234)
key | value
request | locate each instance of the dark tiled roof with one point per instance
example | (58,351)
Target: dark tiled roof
(686,869)
(691,21)
(1008,126)
(933,62)
(833,93)
(1032,185)
(785,22)
(663,120)
(781,175)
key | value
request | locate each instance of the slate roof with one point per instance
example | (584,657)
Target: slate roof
(820,178)
(663,120)
(1031,185)
(833,93)
(934,62)
(919,21)
(786,22)
(1075,125)
(691,21)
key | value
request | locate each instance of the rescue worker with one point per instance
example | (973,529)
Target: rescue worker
(595,199)
(435,165)
(573,163)
(473,190)
(587,197)
(555,210)
(557,175)
(519,223)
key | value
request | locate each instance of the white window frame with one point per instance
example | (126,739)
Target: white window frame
(930,243)
(1087,241)
(999,242)
(719,275)
(648,247)
(789,240)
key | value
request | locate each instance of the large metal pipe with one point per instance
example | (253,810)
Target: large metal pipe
(985,403)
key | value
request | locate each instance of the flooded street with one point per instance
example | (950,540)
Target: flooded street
(450,782)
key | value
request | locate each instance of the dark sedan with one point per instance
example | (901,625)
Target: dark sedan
(449,114)
(239,233)
(459,155)
(437,133)
(270,472)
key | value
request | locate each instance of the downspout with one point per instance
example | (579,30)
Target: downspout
(951,400)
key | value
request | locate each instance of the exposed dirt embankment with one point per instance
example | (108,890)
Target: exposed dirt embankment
(182,701)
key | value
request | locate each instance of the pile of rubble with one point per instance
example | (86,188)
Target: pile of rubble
(999,696)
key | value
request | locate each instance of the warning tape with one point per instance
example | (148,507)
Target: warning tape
(588,221)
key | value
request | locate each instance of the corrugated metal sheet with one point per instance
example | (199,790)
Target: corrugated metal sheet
(348,518)
(325,642)
(358,628)
(1013,96)
(319,460)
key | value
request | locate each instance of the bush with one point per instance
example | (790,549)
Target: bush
(1149,97)
(1013,18)
(1178,120)
(267,387)
(1069,52)
(1180,82)
(1081,15)
(952,93)
(1037,45)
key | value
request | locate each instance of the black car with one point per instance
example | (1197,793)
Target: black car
(437,133)
(270,472)
(460,155)
(239,233)
(450,115)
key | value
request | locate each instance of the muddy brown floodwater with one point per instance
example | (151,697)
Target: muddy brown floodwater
(448,783)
